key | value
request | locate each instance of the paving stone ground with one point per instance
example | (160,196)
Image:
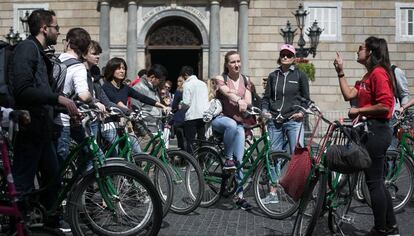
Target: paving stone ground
(224,219)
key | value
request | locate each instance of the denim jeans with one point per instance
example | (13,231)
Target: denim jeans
(233,142)
(277,135)
(277,139)
(233,136)
(136,149)
(394,141)
(64,135)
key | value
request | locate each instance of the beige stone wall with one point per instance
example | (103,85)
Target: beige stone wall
(81,13)
(360,19)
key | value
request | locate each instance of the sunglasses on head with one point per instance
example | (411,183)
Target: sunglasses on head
(288,55)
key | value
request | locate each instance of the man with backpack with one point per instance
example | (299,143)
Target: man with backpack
(31,80)
(75,86)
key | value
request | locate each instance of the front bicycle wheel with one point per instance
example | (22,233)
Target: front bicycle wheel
(126,204)
(399,181)
(341,201)
(281,205)
(212,166)
(311,206)
(160,177)
(187,180)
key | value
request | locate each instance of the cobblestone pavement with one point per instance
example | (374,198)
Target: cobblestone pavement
(224,219)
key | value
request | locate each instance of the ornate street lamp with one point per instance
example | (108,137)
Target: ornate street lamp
(24,21)
(314,33)
(12,37)
(288,34)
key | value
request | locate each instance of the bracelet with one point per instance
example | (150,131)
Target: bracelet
(341,75)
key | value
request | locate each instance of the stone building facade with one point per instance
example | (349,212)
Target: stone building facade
(200,32)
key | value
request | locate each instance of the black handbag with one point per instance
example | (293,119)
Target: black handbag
(350,157)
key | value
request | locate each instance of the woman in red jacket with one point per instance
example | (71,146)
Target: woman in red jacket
(375,96)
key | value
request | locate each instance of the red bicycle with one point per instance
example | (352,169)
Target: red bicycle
(12,220)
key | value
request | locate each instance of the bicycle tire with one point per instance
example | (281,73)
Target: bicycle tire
(161,178)
(359,195)
(122,175)
(403,184)
(286,206)
(338,210)
(187,193)
(212,167)
(310,207)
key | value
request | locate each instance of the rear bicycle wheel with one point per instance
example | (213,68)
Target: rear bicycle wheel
(136,206)
(212,166)
(283,205)
(311,206)
(187,180)
(339,206)
(399,181)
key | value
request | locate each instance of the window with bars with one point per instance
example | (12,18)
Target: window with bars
(328,16)
(404,21)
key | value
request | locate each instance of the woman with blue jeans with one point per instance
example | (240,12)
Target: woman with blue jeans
(233,91)
(286,87)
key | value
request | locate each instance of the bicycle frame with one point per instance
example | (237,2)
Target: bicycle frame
(12,210)
(405,148)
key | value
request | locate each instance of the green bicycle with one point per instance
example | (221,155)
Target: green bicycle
(111,198)
(259,165)
(187,177)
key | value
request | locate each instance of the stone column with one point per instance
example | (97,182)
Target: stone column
(214,52)
(131,52)
(104,9)
(243,35)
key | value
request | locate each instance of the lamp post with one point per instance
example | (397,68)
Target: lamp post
(313,32)
(12,37)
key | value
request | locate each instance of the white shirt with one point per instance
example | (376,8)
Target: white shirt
(195,95)
(75,83)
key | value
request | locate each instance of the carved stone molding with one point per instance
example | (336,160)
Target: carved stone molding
(173,35)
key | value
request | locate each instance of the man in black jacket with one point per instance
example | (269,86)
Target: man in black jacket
(31,79)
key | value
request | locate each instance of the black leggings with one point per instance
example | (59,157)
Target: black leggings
(377,144)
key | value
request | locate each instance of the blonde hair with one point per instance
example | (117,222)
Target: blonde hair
(212,88)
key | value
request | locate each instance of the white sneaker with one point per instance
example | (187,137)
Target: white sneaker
(270,199)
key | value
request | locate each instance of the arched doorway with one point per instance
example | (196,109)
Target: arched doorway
(174,42)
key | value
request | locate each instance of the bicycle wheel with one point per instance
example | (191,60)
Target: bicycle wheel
(359,195)
(283,206)
(160,177)
(311,206)
(399,181)
(134,206)
(187,180)
(212,166)
(341,201)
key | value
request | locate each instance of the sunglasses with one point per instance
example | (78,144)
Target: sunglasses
(361,47)
(288,55)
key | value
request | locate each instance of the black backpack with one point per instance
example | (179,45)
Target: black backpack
(6,95)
